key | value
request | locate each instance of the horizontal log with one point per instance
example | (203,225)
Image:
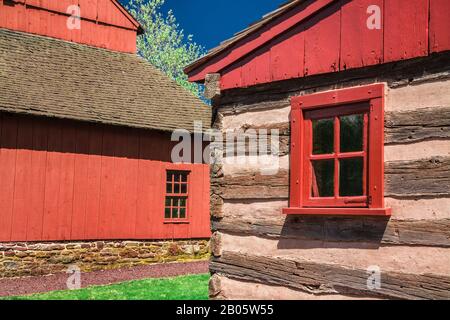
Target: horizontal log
(253,186)
(317,278)
(417,125)
(421,178)
(430,177)
(435,233)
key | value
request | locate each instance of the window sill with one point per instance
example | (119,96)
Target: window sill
(384,212)
(176,222)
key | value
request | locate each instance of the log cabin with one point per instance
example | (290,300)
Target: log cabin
(358,92)
(86,171)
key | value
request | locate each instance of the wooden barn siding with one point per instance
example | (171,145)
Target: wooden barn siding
(337,39)
(66,180)
(102,23)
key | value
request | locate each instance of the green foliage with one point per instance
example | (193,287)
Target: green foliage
(194,287)
(164,44)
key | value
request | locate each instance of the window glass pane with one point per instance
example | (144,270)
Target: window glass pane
(176,188)
(352,133)
(169,177)
(183,202)
(323,178)
(175,213)
(169,188)
(184,177)
(184,188)
(177,177)
(168,202)
(167,213)
(351,177)
(182,213)
(323,136)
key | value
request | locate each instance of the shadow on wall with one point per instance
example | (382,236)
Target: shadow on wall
(21,132)
(332,232)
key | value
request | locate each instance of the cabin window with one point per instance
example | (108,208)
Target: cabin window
(337,153)
(177,195)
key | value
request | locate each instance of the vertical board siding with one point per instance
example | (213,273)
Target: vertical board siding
(337,38)
(360,46)
(322,42)
(287,55)
(52,179)
(94,183)
(21,180)
(37,180)
(7,175)
(103,24)
(80,183)
(65,180)
(406,29)
(439,25)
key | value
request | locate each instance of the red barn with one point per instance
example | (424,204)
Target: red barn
(85,144)
(358,92)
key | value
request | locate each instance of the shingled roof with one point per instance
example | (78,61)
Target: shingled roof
(54,78)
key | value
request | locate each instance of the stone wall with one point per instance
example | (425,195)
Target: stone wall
(33,259)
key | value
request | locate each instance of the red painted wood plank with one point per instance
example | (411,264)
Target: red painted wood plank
(65,199)
(360,46)
(200,223)
(406,29)
(37,180)
(60,6)
(287,55)
(109,13)
(7,174)
(439,25)
(80,185)
(322,42)
(206,217)
(232,77)
(13,17)
(93,186)
(52,181)
(119,210)
(131,183)
(88,9)
(107,195)
(256,68)
(145,224)
(22,195)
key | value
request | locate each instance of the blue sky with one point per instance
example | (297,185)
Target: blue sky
(212,21)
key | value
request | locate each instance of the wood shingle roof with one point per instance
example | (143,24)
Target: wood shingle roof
(54,78)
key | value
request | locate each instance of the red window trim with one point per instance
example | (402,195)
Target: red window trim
(184,169)
(373,96)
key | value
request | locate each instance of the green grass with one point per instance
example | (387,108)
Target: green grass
(194,287)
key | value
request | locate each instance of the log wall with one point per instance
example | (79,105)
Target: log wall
(258,253)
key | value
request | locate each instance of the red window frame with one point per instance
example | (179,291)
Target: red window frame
(179,195)
(368,100)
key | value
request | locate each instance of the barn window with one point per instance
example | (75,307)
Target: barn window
(337,153)
(177,194)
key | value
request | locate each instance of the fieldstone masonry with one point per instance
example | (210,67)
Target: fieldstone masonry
(34,259)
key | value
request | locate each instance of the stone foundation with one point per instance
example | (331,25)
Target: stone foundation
(34,259)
